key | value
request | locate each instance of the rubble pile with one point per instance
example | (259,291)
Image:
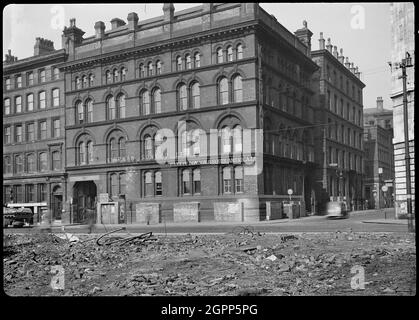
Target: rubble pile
(243,262)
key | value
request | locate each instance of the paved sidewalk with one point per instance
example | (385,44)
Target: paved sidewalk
(387,221)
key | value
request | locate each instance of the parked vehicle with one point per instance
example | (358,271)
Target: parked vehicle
(337,210)
(16,217)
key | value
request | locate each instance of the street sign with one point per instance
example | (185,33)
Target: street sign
(290,191)
(384,188)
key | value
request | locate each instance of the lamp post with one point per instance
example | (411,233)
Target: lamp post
(407,63)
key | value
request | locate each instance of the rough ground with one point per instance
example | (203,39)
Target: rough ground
(230,264)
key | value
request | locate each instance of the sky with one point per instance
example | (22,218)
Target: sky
(361,29)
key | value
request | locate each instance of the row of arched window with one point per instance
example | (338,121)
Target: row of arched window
(188,142)
(185,62)
(188,97)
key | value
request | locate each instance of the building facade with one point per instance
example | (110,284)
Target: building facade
(33,124)
(402,18)
(228,68)
(379,156)
(339,134)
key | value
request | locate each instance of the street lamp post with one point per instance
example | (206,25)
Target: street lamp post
(406,63)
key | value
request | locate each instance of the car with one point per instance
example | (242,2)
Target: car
(337,210)
(16,217)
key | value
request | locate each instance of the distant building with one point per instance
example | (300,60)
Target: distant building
(338,98)
(379,156)
(379,115)
(402,18)
(33,131)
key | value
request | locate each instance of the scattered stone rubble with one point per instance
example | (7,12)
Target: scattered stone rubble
(238,263)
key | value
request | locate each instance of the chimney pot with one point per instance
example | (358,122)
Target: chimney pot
(100,29)
(380,103)
(132,20)
(321,42)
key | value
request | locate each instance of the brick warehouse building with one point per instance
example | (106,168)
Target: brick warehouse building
(228,67)
(340,153)
(200,66)
(33,126)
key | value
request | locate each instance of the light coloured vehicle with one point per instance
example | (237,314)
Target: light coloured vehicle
(337,210)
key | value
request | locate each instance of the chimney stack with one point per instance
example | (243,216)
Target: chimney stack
(116,23)
(321,42)
(100,29)
(168,11)
(329,45)
(335,52)
(347,63)
(380,103)
(341,57)
(304,35)
(132,21)
(9,58)
(43,46)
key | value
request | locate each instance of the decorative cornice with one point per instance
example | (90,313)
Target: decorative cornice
(171,44)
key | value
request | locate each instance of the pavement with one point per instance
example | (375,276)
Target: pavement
(358,221)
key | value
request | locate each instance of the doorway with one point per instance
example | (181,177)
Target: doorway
(84,197)
(57,203)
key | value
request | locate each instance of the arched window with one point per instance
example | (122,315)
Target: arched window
(29,100)
(142,70)
(197,60)
(123,73)
(229,53)
(121,147)
(158,67)
(42,101)
(237,89)
(150,69)
(239,50)
(91,80)
(196,98)
(113,148)
(226,140)
(84,81)
(82,153)
(238,139)
(148,147)
(43,162)
(220,55)
(223,91)
(179,63)
(89,151)
(188,61)
(89,110)
(78,83)
(80,112)
(121,105)
(108,77)
(110,106)
(157,100)
(145,102)
(158,183)
(183,97)
(115,75)
(194,137)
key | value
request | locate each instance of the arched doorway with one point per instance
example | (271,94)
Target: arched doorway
(57,203)
(84,197)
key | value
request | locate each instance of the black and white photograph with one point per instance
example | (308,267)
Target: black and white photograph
(209,149)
